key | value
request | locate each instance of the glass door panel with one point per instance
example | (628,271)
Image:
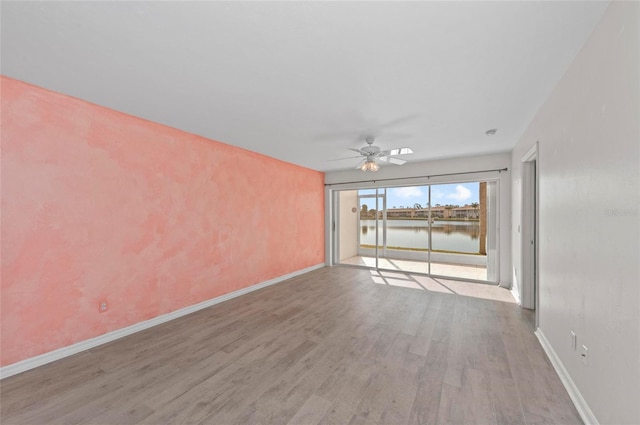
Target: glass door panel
(458,232)
(406,229)
(347,227)
(370,236)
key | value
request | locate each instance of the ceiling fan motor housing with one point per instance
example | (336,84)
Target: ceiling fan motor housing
(370,150)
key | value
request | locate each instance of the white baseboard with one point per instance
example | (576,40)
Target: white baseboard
(516,295)
(78,347)
(581,405)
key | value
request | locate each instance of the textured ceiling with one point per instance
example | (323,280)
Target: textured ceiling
(304,81)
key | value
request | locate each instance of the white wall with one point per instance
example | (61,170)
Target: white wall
(348,224)
(412,171)
(589,235)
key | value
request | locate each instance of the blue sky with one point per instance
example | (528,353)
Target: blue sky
(443,194)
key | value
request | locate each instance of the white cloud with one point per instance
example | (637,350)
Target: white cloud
(436,194)
(407,192)
(461,194)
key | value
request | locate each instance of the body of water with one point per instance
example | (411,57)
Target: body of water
(460,236)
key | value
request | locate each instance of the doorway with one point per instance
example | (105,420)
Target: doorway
(441,230)
(529,234)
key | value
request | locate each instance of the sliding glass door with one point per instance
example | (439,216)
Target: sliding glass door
(363,243)
(459,230)
(447,230)
(406,230)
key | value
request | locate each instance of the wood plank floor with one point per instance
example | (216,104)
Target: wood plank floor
(335,346)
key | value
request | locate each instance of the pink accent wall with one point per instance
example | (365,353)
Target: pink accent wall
(99,205)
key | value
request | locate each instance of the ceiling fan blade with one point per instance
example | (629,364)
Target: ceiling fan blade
(396,151)
(361,164)
(357,150)
(348,157)
(394,160)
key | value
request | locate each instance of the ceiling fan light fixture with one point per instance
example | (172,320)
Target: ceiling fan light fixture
(370,165)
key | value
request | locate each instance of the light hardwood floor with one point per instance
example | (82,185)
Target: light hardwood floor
(335,346)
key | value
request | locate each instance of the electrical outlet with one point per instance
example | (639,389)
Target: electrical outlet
(574,341)
(585,355)
(102,307)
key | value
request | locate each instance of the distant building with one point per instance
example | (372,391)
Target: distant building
(443,212)
(466,212)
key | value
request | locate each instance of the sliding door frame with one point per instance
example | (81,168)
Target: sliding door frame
(377,186)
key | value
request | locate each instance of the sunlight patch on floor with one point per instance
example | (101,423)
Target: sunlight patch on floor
(445,286)
(453,270)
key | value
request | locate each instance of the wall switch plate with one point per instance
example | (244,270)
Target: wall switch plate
(102,307)
(574,341)
(585,355)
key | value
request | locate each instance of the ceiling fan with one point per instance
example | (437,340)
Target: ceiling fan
(372,154)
